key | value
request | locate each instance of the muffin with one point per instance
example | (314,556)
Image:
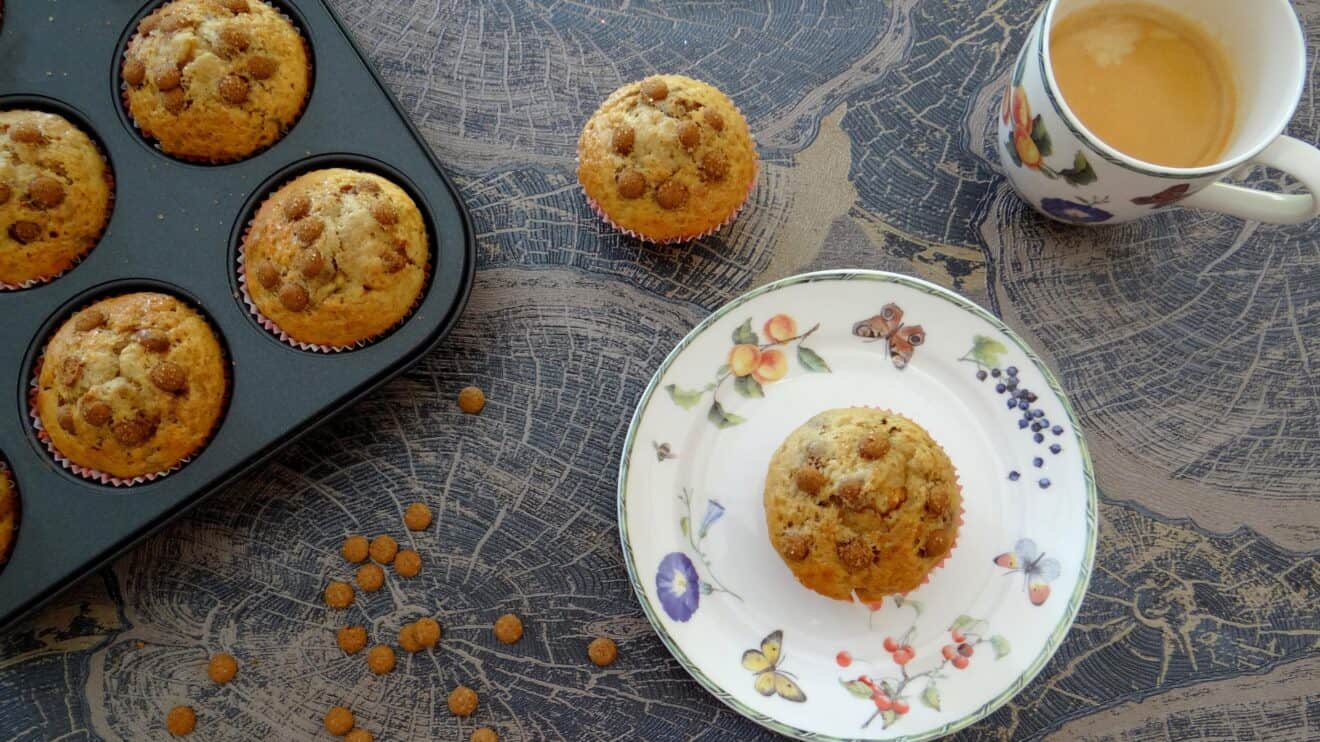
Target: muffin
(131,386)
(215,80)
(861,501)
(667,159)
(335,257)
(8,514)
(55,195)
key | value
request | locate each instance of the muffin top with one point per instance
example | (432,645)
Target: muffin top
(861,500)
(336,256)
(55,193)
(8,513)
(215,80)
(667,157)
(131,385)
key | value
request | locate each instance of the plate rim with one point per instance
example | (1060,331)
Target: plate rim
(1074,601)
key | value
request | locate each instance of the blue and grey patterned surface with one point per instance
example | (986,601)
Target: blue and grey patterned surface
(1189,343)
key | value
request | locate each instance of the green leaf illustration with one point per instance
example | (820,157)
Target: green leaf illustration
(720,418)
(748,387)
(857,688)
(685,398)
(683,525)
(963,622)
(916,604)
(1001,646)
(721,371)
(931,697)
(1041,137)
(744,335)
(1080,173)
(889,717)
(1012,151)
(986,350)
(811,360)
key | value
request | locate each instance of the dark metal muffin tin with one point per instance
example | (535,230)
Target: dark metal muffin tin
(175,228)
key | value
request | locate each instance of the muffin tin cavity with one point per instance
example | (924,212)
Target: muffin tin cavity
(213,83)
(57,190)
(10,512)
(305,228)
(176,228)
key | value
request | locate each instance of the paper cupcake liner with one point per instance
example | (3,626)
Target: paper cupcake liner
(270,325)
(595,206)
(155,143)
(96,475)
(109,207)
(7,475)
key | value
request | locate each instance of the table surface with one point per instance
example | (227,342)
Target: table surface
(1189,343)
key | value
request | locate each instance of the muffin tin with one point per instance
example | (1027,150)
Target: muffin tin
(175,228)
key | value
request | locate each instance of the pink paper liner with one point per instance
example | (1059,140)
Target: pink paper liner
(270,326)
(95,475)
(673,240)
(155,143)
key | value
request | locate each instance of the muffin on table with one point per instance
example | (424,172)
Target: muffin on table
(8,513)
(335,257)
(55,195)
(667,159)
(216,80)
(131,385)
(863,501)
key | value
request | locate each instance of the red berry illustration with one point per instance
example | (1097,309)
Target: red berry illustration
(843,658)
(965,649)
(890,644)
(949,652)
(911,652)
(902,657)
(901,707)
(882,702)
(875,606)
(864,680)
(960,663)
(957,636)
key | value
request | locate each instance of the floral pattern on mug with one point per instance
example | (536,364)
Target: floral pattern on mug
(1076,212)
(1166,197)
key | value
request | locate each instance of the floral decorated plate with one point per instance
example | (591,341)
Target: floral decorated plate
(694,529)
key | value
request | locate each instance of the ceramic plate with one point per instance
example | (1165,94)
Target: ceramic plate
(694,530)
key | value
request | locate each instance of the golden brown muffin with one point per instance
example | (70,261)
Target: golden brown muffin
(55,195)
(861,500)
(132,385)
(336,256)
(8,514)
(215,80)
(668,158)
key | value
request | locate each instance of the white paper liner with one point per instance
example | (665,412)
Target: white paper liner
(595,206)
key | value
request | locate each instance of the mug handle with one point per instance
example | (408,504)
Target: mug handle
(1292,156)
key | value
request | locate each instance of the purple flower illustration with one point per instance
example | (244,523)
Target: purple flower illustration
(1072,211)
(714,511)
(677,584)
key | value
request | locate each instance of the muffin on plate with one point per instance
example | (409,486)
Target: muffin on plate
(55,195)
(335,257)
(861,501)
(215,80)
(667,159)
(8,514)
(131,386)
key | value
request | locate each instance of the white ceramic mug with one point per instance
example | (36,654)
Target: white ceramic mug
(1069,174)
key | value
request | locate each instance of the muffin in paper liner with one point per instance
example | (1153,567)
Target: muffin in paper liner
(244,69)
(667,159)
(308,179)
(102,477)
(68,160)
(11,512)
(837,505)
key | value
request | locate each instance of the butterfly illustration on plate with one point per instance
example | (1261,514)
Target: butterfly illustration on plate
(1037,570)
(769,678)
(902,340)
